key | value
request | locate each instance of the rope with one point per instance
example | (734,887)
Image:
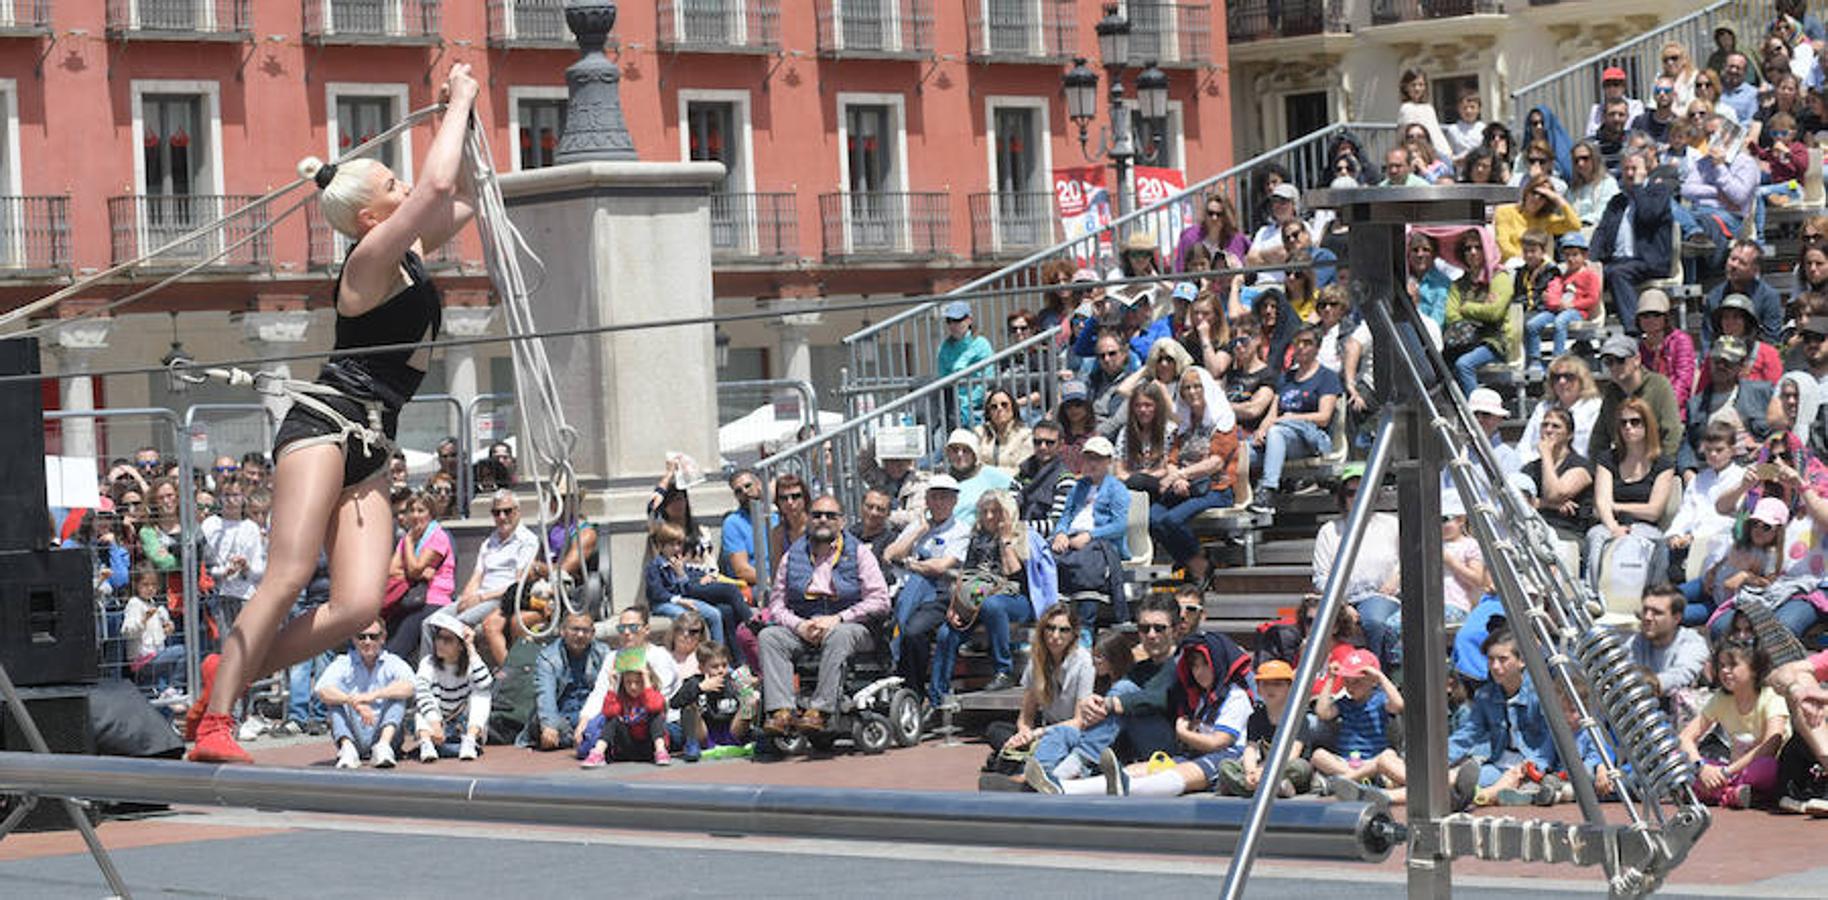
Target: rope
(204,230)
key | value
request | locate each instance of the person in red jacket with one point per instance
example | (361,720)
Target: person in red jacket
(632,724)
(1572,296)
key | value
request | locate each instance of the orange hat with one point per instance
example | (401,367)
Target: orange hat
(1275,670)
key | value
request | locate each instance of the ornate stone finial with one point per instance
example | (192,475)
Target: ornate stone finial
(594,128)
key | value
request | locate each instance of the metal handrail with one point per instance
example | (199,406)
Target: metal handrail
(1116,225)
(464,475)
(809,409)
(1695,25)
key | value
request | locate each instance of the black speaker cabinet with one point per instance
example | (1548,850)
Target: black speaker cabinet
(62,715)
(47,617)
(27,523)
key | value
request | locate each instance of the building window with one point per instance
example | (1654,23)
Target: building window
(173,143)
(1304,114)
(1447,91)
(869,147)
(1023,201)
(359,119)
(712,136)
(542,121)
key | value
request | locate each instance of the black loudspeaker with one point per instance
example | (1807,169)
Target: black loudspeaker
(47,617)
(27,523)
(62,716)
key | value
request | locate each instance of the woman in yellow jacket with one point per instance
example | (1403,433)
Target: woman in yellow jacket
(1478,331)
(1538,207)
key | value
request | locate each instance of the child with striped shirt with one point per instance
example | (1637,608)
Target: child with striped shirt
(452,693)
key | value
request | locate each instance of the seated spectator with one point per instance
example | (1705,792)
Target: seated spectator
(1503,730)
(1728,397)
(1592,187)
(674,586)
(366,691)
(1562,475)
(827,595)
(1664,349)
(1784,164)
(1734,316)
(146,625)
(1483,301)
(562,680)
(1630,380)
(1330,312)
(1671,656)
(973,477)
(1572,390)
(1539,160)
(1202,463)
(1480,166)
(1060,673)
(1070,748)
(1207,338)
(507,559)
(930,551)
(1755,724)
(1611,140)
(873,528)
(1431,167)
(1573,296)
(1539,207)
(716,704)
(451,696)
(1427,284)
(1542,124)
(1463,564)
(1217,231)
(1488,410)
(425,566)
(1003,441)
(1467,133)
(1144,440)
(1612,87)
(1375,582)
(1163,366)
(1090,542)
(1361,698)
(441,488)
(1297,426)
(1735,92)
(634,629)
(1135,327)
(1110,365)
(1006,579)
(630,726)
(1632,485)
(1044,480)
(960,350)
(1811,272)
(449,454)
(1400,169)
(1298,240)
(1771,553)
(683,638)
(1250,381)
(1267,247)
(1720,191)
(1240,777)
(894,474)
(1699,526)
(1656,120)
(736,540)
(1212,708)
(790,499)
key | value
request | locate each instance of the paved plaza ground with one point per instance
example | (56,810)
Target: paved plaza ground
(195,852)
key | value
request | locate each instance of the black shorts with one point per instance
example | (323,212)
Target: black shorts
(304,427)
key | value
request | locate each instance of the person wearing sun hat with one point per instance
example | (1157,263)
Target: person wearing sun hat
(974,478)
(962,349)
(1728,396)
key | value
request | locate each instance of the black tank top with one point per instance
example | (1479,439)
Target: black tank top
(414,314)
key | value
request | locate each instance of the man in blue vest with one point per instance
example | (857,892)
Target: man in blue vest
(827,592)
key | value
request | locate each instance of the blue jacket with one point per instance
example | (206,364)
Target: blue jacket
(552,675)
(1043,578)
(1110,512)
(1485,734)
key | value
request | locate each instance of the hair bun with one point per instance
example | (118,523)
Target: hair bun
(317,170)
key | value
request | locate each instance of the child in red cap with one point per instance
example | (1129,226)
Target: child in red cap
(1360,750)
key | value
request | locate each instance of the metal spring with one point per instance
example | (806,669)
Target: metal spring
(1641,731)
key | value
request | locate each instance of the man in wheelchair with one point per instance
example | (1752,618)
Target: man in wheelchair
(828,595)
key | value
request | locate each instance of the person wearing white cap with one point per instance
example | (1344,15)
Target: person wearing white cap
(931,549)
(1488,408)
(961,350)
(1091,542)
(1266,245)
(974,478)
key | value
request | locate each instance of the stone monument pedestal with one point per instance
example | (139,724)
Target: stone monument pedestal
(626,242)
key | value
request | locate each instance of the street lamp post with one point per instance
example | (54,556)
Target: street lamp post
(1118,141)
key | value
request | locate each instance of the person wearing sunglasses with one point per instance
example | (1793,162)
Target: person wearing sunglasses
(1541,125)
(508,557)
(1043,482)
(1007,578)
(1135,725)
(1632,487)
(1730,394)
(366,691)
(1060,673)
(1665,102)
(1090,539)
(1218,231)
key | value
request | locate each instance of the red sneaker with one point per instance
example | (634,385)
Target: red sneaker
(194,716)
(216,741)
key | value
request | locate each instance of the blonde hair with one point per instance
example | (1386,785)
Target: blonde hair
(348,193)
(1013,526)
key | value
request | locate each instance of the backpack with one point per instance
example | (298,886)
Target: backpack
(514,695)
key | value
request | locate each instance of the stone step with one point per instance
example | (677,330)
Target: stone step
(1286,578)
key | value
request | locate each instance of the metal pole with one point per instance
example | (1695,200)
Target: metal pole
(1313,657)
(1353,831)
(78,816)
(1121,148)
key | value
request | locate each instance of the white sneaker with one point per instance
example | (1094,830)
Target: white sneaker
(347,758)
(428,751)
(254,727)
(383,757)
(467,750)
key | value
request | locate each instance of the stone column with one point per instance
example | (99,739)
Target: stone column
(75,346)
(627,243)
(795,345)
(275,327)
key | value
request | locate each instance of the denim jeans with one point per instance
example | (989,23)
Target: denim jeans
(302,705)
(1697,608)
(1466,365)
(1061,741)
(1298,438)
(916,590)
(344,723)
(1712,220)
(1796,614)
(1380,608)
(997,614)
(714,619)
(1169,523)
(1532,332)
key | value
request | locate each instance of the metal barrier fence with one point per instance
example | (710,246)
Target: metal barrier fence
(117,653)
(241,428)
(453,424)
(1572,90)
(897,354)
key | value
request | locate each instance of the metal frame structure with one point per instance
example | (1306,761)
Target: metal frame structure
(1427,429)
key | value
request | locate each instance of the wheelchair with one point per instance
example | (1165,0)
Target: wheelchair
(876,709)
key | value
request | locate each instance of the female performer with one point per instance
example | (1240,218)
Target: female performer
(328,488)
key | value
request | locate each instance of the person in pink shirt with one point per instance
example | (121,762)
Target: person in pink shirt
(1572,296)
(1665,350)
